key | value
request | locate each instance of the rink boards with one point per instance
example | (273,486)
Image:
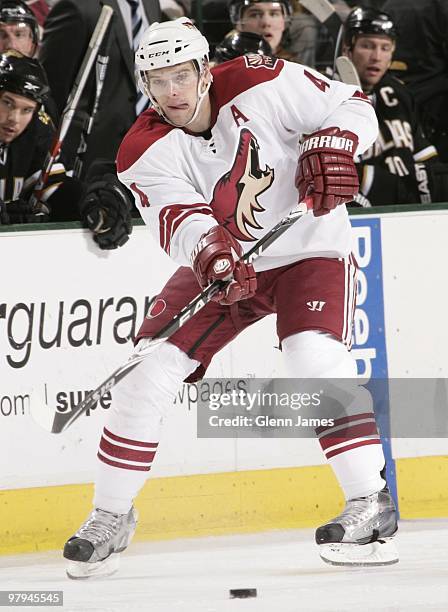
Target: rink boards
(66,313)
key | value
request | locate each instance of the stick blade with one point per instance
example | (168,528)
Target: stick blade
(45,416)
(347,71)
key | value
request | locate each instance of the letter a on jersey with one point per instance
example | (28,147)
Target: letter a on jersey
(238,115)
(235,195)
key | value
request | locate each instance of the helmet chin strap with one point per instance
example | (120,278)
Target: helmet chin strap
(200,99)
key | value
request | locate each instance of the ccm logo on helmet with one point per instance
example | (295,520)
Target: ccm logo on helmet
(334,142)
(158,54)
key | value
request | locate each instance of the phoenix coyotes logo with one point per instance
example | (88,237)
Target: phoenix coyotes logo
(235,196)
(255,60)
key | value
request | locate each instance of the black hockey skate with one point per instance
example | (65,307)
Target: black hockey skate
(95,547)
(362,534)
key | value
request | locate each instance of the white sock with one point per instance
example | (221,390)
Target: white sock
(352,447)
(130,438)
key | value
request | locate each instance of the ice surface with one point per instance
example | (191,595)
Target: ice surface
(195,575)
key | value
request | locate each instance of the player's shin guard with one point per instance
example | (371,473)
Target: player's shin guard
(125,455)
(351,444)
(130,438)
(362,534)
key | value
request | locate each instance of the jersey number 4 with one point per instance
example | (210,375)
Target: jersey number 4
(319,83)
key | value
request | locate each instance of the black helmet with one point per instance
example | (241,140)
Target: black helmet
(23,76)
(236,8)
(16,11)
(368,21)
(240,43)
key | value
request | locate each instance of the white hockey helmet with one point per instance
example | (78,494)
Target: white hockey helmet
(170,43)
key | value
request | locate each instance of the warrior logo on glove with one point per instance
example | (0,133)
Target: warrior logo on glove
(333,142)
(326,169)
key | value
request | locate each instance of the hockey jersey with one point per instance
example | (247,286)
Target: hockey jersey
(393,170)
(240,173)
(22,160)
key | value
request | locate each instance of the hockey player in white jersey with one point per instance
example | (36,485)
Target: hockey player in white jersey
(213,166)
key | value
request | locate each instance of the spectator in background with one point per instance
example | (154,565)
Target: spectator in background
(421,61)
(401,166)
(268,19)
(19,29)
(68,29)
(26,134)
(25,138)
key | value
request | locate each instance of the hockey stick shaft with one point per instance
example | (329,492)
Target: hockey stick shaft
(324,12)
(329,17)
(62,421)
(347,71)
(72,101)
(102,62)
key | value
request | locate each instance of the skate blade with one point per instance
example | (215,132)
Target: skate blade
(80,570)
(383,552)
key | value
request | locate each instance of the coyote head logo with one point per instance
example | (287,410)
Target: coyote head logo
(235,196)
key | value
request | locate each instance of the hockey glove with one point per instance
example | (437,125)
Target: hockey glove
(215,257)
(106,211)
(326,169)
(20,211)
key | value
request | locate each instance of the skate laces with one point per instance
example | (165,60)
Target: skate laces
(99,527)
(358,509)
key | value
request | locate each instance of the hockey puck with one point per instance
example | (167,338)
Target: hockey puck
(242,593)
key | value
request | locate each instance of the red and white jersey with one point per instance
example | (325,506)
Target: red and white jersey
(242,175)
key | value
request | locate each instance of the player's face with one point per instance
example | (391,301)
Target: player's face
(371,56)
(15,114)
(176,92)
(16,36)
(266,19)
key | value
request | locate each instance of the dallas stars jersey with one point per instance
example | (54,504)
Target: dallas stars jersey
(393,169)
(240,174)
(21,161)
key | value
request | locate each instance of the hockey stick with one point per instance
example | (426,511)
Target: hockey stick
(102,62)
(56,422)
(72,103)
(324,12)
(347,71)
